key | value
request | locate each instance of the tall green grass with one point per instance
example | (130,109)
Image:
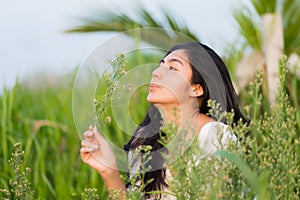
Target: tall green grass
(40,119)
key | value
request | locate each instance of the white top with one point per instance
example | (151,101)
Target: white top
(208,140)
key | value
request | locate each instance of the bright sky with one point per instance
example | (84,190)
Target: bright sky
(32,38)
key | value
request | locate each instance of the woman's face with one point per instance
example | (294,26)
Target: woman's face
(171,80)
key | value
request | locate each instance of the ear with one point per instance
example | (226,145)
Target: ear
(197,90)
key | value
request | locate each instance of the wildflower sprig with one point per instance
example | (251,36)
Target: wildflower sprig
(216,110)
(111,79)
(140,161)
(90,194)
(20,185)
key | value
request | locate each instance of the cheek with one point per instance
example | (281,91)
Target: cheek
(175,88)
(180,86)
(176,92)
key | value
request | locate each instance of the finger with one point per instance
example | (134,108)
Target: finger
(89,145)
(97,135)
(89,135)
(84,150)
(85,143)
(91,127)
(90,150)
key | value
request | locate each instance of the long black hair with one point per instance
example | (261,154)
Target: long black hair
(210,72)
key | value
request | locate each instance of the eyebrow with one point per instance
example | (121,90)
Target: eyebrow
(172,60)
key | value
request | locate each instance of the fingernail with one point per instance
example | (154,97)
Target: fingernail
(91,127)
(90,133)
(90,149)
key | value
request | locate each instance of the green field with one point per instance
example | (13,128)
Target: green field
(41,120)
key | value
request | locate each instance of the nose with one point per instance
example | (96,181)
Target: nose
(156,73)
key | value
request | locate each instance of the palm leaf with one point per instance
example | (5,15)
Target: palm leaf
(112,20)
(291,22)
(177,25)
(105,20)
(249,28)
(148,20)
(264,6)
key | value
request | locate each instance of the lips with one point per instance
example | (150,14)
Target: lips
(153,86)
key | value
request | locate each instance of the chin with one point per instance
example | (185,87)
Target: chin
(152,99)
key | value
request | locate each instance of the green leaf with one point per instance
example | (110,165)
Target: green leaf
(258,183)
(110,20)
(264,6)
(249,28)
(291,23)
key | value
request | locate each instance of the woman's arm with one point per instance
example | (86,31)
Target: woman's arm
(96,152)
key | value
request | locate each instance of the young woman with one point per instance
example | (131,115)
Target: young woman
(186,78)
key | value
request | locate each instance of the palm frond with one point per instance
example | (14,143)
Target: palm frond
(264,6)
(291,22)
(148,20)
(249,28)
(178,26)
(111,20)
(106,20)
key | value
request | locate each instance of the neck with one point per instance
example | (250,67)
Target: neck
(179,116)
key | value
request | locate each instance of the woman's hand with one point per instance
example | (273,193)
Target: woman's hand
(96,152)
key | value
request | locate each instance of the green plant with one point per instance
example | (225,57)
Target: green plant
(20,188)
(110,20)
(90,194)
(258,166)
(111,81)
(264,165)
(41,120)
(137,186)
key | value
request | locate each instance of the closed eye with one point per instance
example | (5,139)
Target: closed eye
(172,68)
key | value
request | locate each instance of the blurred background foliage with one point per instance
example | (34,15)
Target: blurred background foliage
(39,116)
